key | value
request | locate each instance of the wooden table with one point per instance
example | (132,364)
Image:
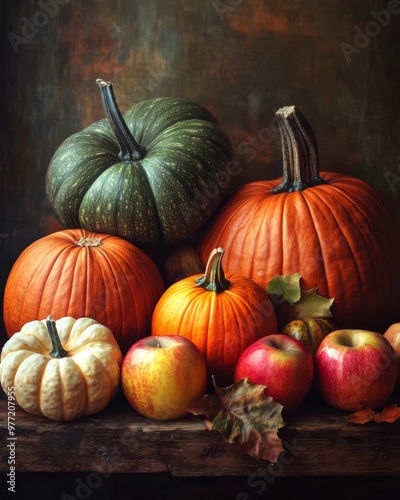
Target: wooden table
(318,441)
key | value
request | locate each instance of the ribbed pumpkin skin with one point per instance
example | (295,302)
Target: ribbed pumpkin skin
(221,324)
(339,236)
(62,389)
(310,331)
(161,199)
(115,283)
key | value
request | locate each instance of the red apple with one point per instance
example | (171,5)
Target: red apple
(393,336)
(163,376)
(283,364)
(354,369)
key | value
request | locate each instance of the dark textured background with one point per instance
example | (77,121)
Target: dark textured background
(241,59)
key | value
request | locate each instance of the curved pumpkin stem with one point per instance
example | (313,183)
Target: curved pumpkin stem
(299,151)
(214,279)
(57,351)
(129,148)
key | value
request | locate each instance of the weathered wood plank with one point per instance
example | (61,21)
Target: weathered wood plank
(317,441)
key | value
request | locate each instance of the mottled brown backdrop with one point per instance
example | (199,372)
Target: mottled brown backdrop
(338,61)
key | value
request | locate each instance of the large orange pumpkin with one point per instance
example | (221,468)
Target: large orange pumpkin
(220,314)
(83,274)
(331,228)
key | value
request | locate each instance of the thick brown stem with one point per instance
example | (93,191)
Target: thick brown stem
(299,151)
(129,148)
(85,241)
(214,279)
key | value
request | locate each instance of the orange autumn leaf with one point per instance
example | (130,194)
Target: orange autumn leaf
(389,414)
(361,416)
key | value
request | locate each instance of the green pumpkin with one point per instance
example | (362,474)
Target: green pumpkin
(153,176)
(310,331)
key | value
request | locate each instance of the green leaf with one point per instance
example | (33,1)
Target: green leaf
(246,417)
(285,288)
(312,305)
(291,302)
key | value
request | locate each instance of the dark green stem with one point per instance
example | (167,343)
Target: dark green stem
(129,148)
(299,151)
(214,279)
(57,351)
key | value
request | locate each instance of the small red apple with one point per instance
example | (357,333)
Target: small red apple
(355,369)
(283,364)
(163,376)
(393,336)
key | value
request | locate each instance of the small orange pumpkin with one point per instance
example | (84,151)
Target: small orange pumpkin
(310,331)
(220,315)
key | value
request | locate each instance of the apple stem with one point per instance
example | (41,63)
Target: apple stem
(158,344)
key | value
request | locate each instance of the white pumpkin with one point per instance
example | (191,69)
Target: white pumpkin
(62,369)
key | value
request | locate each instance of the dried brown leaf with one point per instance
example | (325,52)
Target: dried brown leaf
(246,417)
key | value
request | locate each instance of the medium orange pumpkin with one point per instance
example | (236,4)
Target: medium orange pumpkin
(221,315)
(331,228)
(179,262)
(83,274)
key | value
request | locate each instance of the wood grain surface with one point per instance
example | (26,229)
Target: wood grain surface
(318,441)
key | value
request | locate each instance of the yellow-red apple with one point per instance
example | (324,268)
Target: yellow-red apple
(283,364)
(355,369)
(393,336)
(162,377)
